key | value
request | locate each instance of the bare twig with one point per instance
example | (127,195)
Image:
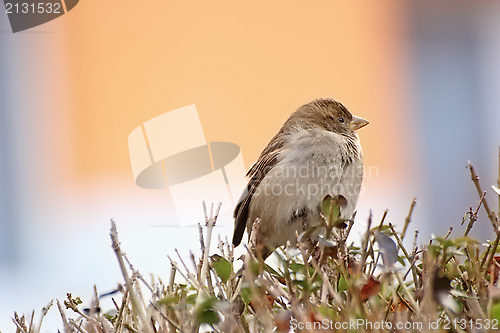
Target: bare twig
(130,288)
(172,324)
(364,245)
(44,312)
(210,222)
(402,247)
(190,278)
(384,215)
(77,326)
(20,323)
(473,215)
(136,273)
(67,327)
(173,269)
(491,214)
(450,230)
(408,218)
(491,254)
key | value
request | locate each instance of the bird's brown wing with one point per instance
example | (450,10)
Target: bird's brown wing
(267,160)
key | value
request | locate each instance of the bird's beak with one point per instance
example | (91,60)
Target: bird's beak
(357,123)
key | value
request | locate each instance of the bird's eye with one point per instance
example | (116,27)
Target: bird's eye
(341,120)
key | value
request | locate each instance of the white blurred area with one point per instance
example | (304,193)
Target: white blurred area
(55,239)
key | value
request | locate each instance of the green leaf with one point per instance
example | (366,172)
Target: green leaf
(434,249)
(495,311)
(303,283)
(272,271)
(445,243)
(109,317)
(326,205)
(458,253)
(169,300)
(297,268)
(330,207)
(255,267)
(208,303)
(465,240)
(245,294)
(191,299)
(384,229)
(208,317)
(319,278)
(205,313)
(222,267)
(401,260)
(327,311)
(342,286)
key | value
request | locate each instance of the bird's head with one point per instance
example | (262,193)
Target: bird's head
(328,114)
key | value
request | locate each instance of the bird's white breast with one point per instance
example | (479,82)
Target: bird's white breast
(311,165)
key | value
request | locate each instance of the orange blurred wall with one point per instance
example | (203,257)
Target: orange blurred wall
(246,66)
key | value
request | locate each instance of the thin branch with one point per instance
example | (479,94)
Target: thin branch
(473,215)
(130,288)
(67,327)
(491,215)
(408,218)
(210,222)
(364,245)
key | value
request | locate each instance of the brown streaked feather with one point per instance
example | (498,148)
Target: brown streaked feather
(267,160)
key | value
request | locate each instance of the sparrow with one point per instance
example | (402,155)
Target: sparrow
(315,153)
